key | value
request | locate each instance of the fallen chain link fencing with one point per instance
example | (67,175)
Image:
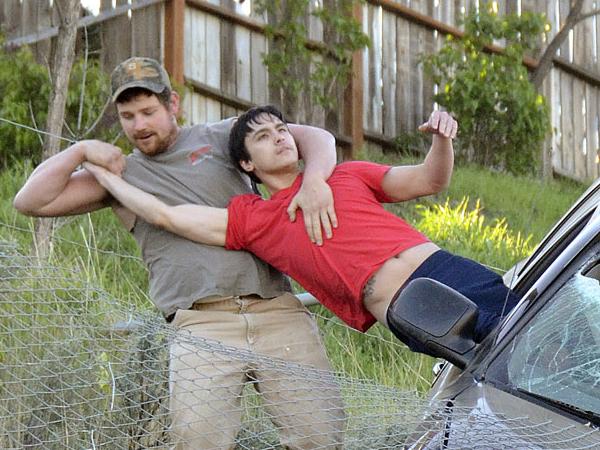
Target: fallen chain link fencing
(79,370)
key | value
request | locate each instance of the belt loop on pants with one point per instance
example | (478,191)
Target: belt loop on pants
(241,304)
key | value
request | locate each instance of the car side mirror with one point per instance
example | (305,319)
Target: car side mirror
(438,317)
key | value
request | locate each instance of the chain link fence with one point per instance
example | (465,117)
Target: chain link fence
(79,370)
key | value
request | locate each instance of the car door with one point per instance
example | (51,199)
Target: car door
(539,385)
(546,371)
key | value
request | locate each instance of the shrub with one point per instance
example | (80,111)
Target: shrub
(503,120)
(24,91)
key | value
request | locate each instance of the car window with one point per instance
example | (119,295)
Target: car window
(557,355)
(542,259)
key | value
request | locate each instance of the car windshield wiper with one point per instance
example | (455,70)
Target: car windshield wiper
(586,414)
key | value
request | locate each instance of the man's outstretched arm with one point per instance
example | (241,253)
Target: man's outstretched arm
(433,175)
(198,223)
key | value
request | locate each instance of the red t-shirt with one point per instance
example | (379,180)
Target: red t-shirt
(336,272)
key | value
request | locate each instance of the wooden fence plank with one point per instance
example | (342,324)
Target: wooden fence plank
(44,21)
(591,132)
(188,49)
(551,152)
(195,39)
(444,12)
(579,104)
(403,91)
(116,36)
(174,36)
(243,66)
(578,130)
(566,122)
(583,42)
(547,145)
(212,51)
(427,46)
(596,25)
(556,118)
(145,26)
(461,8)
(215,111)
(195,61)
(350,121)
(375,88)
(259,77)
(186,106)
(415,105)
(365,68)
(36,15)
(12,17)
(594,127)
(315,26)
(227,67)
(563,11)
(389,74)
(199,106)
(417,39)
(28,21)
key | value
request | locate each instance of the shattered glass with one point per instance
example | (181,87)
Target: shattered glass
(558,355)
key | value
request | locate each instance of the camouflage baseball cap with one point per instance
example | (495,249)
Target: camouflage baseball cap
(139,72)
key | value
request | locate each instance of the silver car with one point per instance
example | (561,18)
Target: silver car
(535,382)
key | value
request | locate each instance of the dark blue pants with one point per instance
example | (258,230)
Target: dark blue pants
(482,286)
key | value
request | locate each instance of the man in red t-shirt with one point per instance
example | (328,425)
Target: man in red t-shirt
(358,271)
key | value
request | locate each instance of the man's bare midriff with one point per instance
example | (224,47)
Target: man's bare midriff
(383,284)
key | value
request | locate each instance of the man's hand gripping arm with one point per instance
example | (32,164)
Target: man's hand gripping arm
(56,188)
(315,198)
(198,223)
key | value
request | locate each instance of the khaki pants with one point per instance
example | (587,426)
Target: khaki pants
(224,344)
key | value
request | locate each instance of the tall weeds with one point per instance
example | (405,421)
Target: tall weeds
(104,254)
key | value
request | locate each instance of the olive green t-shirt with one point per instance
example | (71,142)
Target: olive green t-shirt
(196,169)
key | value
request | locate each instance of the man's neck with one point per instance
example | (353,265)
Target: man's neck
(175,137)
(276,183)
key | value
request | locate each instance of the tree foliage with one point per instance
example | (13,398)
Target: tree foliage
(24,90)
(303,73)
(503,120)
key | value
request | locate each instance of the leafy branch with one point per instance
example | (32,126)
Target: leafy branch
(302,70)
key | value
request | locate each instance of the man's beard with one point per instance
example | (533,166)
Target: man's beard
(159,144)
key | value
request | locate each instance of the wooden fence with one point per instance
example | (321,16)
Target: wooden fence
(215,47)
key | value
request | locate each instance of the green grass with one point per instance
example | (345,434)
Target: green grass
(500,210)
(467,232)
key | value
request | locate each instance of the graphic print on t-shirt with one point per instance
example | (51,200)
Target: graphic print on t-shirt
(197,156)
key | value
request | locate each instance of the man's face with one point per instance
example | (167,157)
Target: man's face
(148,124)
(271,147)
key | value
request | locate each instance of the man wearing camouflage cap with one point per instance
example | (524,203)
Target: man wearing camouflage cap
(206,291)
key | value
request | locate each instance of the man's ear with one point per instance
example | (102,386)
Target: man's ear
(248,166)
(174,103)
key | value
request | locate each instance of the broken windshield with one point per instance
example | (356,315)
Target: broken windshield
(557,355)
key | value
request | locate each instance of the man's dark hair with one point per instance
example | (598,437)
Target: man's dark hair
(129,94)
(239,131)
